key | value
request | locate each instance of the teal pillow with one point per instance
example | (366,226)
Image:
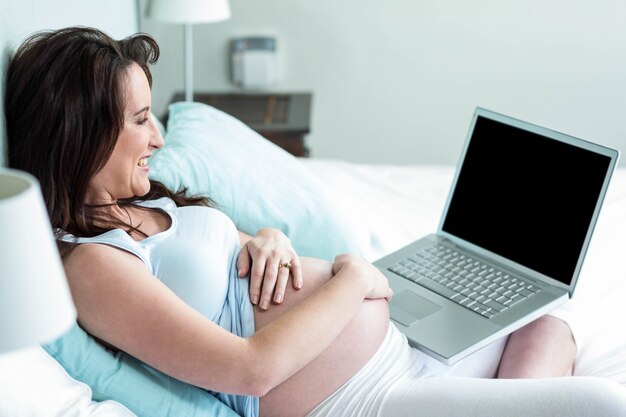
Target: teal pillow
(256,183)
(120,377)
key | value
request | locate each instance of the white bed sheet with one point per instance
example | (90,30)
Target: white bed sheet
(394,205)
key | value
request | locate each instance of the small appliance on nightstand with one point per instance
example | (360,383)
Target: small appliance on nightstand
(254,62)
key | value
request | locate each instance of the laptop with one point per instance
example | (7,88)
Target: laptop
(511,241)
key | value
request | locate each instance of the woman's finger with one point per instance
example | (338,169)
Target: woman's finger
(256,279)
(243,263)
(269,283)
(281,283)
(296,272)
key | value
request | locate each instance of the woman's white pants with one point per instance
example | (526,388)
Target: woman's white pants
(400,381)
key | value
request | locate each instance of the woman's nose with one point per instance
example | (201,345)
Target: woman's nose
(156,138)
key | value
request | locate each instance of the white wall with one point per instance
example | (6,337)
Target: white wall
(20,18)
(396,81)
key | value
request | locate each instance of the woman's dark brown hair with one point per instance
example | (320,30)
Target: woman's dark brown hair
(64,106)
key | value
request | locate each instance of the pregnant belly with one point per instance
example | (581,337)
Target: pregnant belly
(341,360)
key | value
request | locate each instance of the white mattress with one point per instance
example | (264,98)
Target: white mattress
(394,205)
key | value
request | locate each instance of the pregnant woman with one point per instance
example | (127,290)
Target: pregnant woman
(164,277)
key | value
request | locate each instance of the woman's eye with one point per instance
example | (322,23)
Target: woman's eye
(142,121)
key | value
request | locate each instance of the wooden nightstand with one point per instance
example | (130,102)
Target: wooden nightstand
(282,118)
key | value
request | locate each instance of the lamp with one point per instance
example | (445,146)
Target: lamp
(188,12)
(35,301)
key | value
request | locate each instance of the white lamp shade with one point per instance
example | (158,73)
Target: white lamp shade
(35,301)
(189,11)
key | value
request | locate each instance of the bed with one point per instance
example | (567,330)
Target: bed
(326,206)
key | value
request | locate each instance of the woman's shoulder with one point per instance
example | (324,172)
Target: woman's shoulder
(92,262)
(96,255)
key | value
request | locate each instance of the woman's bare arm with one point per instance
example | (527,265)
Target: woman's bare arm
(120,302)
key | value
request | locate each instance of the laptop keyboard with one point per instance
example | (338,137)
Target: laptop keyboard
(459,277)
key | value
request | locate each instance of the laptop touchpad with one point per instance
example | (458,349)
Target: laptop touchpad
(408,308)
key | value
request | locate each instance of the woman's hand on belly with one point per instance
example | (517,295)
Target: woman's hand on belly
(379,287)
(270,259)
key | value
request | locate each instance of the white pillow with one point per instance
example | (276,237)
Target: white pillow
(32,384)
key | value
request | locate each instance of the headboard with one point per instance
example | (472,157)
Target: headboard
(19,19)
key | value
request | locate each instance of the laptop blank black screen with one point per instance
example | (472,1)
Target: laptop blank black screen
(526,197)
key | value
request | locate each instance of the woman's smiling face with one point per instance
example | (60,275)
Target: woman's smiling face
(125,174)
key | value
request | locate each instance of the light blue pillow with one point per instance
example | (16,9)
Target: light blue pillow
(256,183)
(120,377)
